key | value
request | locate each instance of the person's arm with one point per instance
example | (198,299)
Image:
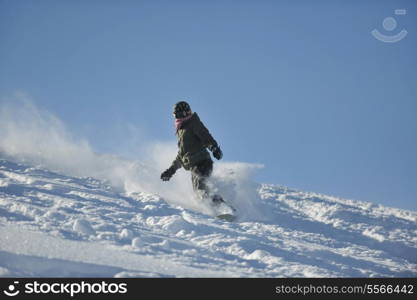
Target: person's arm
(176,164)
(168,173)
(204,135)
(208,141)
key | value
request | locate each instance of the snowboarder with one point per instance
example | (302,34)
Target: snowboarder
(193,141)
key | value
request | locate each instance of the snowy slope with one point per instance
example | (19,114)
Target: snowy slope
(56,225)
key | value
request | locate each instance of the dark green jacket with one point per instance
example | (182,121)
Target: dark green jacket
(193,141)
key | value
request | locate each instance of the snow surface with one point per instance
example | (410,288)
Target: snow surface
(53,224)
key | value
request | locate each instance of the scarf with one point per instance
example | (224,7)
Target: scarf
(178,122)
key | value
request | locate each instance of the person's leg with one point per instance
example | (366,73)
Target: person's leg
(199,175)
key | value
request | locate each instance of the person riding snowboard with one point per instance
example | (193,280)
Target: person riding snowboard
(193,141)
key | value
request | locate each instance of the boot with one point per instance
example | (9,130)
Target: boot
(217,199)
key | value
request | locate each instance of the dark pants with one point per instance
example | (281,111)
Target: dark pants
(199,175)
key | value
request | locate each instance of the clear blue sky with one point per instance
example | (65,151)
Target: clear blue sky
(300,86)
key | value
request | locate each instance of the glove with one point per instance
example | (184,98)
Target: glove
(217,152)
(167,174)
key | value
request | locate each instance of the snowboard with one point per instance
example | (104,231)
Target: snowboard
(226,217)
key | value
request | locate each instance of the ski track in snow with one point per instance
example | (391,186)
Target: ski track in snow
(56,225)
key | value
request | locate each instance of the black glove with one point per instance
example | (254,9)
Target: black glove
(217,152)
(167,174)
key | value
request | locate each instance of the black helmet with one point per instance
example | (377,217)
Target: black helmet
(181,109)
